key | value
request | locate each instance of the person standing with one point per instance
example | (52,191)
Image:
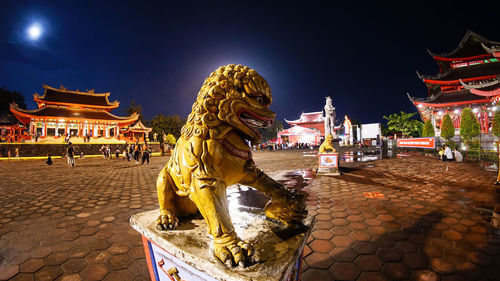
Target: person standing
(17,153)
(145,154)
(8,155)
(137,153)
(70,153)
(117,153)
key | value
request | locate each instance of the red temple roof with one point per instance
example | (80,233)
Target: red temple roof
(308,117)
(298,130)
(472,49)
(464,97)
(49,111)
(138,128)
(75,98)
(470,45)
(472,72)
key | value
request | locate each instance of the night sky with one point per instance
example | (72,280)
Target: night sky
(362,54)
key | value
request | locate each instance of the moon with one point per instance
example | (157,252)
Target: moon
(34,31)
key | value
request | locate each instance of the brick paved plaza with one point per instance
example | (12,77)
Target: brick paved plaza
(61,223)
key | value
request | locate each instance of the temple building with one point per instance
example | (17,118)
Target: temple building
(468,77)
(311,120)
(80,114)
(136,132)
(10,128)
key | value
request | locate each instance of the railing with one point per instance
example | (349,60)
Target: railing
(484,148)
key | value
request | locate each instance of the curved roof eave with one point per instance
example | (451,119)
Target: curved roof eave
(468,35)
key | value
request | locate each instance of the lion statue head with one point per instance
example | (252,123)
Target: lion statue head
(232,96)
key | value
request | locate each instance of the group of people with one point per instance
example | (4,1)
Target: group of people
(446,154)
(9,154)
(137,152)
(273,146)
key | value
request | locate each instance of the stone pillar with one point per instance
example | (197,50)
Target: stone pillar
(57,130)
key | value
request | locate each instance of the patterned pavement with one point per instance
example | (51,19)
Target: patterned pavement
(424,221)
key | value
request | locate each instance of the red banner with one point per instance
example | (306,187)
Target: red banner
(417,143)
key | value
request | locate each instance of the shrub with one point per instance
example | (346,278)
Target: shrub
(451,144)
(469,126)
(496,124)
(428,129)
(171,139)
(447,129)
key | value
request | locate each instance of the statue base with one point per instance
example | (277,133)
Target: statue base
(186,253)
(328,164)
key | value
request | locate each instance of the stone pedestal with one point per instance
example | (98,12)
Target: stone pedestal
(186,253)
(328,164)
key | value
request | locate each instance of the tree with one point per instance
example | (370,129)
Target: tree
(403,122)
(428,129)
(447,129)
(162,124)
(272,131)
(135,108)
(469,126)
(8,96)
(171,139)
(496,124)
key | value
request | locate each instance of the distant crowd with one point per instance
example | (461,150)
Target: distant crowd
(134,151)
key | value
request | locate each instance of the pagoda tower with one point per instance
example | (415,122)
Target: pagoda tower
(469,76)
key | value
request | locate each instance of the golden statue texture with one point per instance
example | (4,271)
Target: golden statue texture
(327,145)
(212,154)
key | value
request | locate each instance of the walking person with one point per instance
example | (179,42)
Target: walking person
(137,152)
(108,151)
(130,152)
(103,151)
(70,153)
(125,155)
(8,155)
(17,153)
(117,153)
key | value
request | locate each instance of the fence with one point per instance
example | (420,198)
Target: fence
(484,148)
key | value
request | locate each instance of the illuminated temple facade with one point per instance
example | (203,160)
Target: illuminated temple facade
(468,77)
(311,120)
(80,114)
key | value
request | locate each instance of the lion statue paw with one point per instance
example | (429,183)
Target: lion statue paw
(167,221)
(231,250)
(289,208)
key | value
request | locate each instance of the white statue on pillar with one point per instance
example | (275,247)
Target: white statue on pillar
(329,118)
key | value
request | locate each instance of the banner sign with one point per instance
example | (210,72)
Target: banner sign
(328,160)
(428,143)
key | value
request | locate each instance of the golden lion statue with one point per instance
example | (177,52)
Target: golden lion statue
(212,154)
(327,145)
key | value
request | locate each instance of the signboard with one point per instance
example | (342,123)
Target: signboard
(371,131)
(328,160)
(428,143)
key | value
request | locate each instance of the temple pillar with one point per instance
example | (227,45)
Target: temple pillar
(44,128)
(57,130)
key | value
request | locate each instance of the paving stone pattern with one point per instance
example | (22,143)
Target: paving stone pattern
(61,223)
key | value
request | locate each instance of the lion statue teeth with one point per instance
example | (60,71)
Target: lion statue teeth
(212,154)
